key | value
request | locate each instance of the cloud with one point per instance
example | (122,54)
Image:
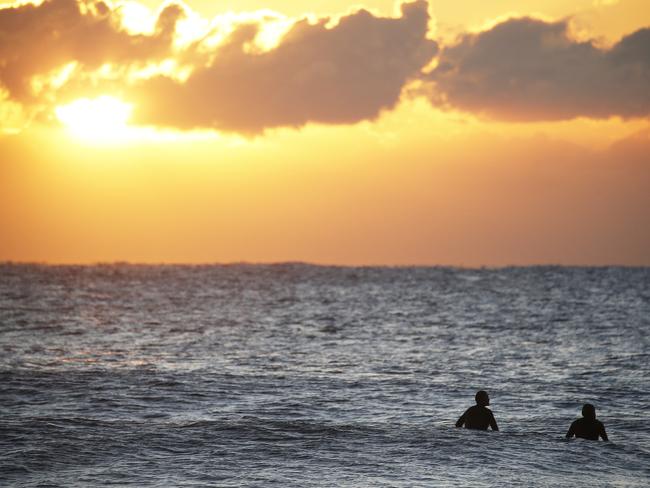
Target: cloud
(340,74)
(333,71)
(37,39)
(526,69)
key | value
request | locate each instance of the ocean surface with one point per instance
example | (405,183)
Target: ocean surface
(297,375)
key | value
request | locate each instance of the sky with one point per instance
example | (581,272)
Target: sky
(465,132)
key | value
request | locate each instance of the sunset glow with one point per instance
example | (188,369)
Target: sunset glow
(419,132)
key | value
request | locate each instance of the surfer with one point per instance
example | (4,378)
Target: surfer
(587,427)
(479,416)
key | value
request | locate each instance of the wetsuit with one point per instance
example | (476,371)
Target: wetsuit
(587,429)
(477,417)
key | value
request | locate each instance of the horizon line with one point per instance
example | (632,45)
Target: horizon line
(307,264)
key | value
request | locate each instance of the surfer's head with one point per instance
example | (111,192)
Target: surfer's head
(482,398)
(589,411)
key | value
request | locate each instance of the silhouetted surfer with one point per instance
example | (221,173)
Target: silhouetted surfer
(479,416)
(587,427)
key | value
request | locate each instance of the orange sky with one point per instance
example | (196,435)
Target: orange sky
(455,133)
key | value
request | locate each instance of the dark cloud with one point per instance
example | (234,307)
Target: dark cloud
(37,39)
(521,69)
(526,69)
(342,74)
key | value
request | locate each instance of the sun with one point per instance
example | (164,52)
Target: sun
(100,119)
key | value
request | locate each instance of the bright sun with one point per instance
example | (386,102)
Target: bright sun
(101,119)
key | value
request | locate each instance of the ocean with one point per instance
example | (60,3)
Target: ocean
(296,375)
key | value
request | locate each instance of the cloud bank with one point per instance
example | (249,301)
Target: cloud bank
(333,71)
(341,74)
(530,70)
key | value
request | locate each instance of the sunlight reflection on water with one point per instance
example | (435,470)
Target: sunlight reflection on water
(294,375)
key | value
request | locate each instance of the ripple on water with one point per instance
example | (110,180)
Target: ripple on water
(297,375)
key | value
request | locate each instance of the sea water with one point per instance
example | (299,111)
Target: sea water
(299,375)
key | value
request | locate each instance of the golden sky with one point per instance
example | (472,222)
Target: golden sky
(443,132)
